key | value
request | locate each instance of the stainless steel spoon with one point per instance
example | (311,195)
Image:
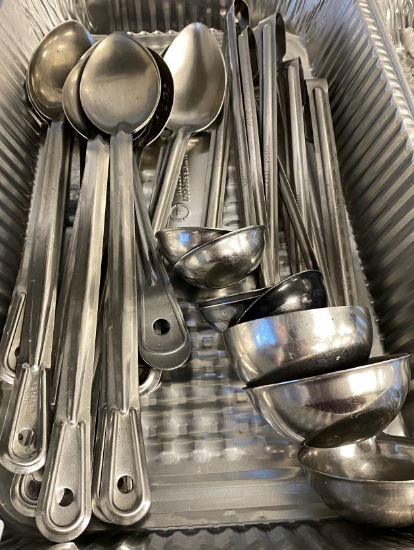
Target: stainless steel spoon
(120,91)
(65,502)
(193,57)
(23,442)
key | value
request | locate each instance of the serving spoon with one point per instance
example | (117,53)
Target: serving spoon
(120,90)
(23,442)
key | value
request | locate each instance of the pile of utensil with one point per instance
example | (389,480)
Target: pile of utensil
(81,351)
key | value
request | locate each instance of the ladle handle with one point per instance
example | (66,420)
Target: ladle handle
(172,172)
(341,257)
(256,175)
(220,160)
(23,442)
(296,220)
(164,341)
(71,433)
(239,123)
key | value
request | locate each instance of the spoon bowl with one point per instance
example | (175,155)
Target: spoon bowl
(338,408)
(51,63)
(299,344)
(174,243)
(224,261)
(103,80)
(299,292)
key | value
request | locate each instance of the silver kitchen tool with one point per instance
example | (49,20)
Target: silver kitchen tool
(337,408)
(24,492)
(223,312)
(255,162)
(120,109)
(174,243)
(370,482)
(224,261)
(299,344)
(335,225)
(163,338)
(65,506)
(192,55)
(23,442)
(302,291)
(271,37)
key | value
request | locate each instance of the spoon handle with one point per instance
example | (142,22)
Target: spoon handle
(62,517)
(164,341)
(10,340)
(123,494)
(172,172)
(23,442)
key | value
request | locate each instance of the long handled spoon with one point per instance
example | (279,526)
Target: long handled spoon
(23,442)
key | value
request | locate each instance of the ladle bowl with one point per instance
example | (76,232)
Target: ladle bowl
(174,243)
(371,482)
(338,408)
(299,292)
(299,344)
(222,313)
(224,261)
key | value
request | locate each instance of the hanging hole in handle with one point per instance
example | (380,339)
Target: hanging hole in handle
(26,437)
(125,484)
(161,327)
(17,352)
(33,489)
(65,497)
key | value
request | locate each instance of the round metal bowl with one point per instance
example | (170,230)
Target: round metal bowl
(224,261)
(222,313)
(338,408)
(298,292)
(176,242)
(298,344)
(371,482)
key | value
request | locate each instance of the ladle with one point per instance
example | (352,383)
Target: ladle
(24,438)
(193,58)
(298,292)
(120,90)
(63,518)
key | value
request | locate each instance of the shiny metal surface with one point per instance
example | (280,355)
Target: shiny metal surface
(371,482)
(299,344)
(224,261)
(107,78)
(199,421)
(301,291)
(23,444)
(192,57)
(174,243)
(337,408)
(222,313)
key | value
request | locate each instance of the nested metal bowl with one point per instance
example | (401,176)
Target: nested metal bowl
(370,482)
(298,344)
(223,312)
(176,242)
(338,408)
